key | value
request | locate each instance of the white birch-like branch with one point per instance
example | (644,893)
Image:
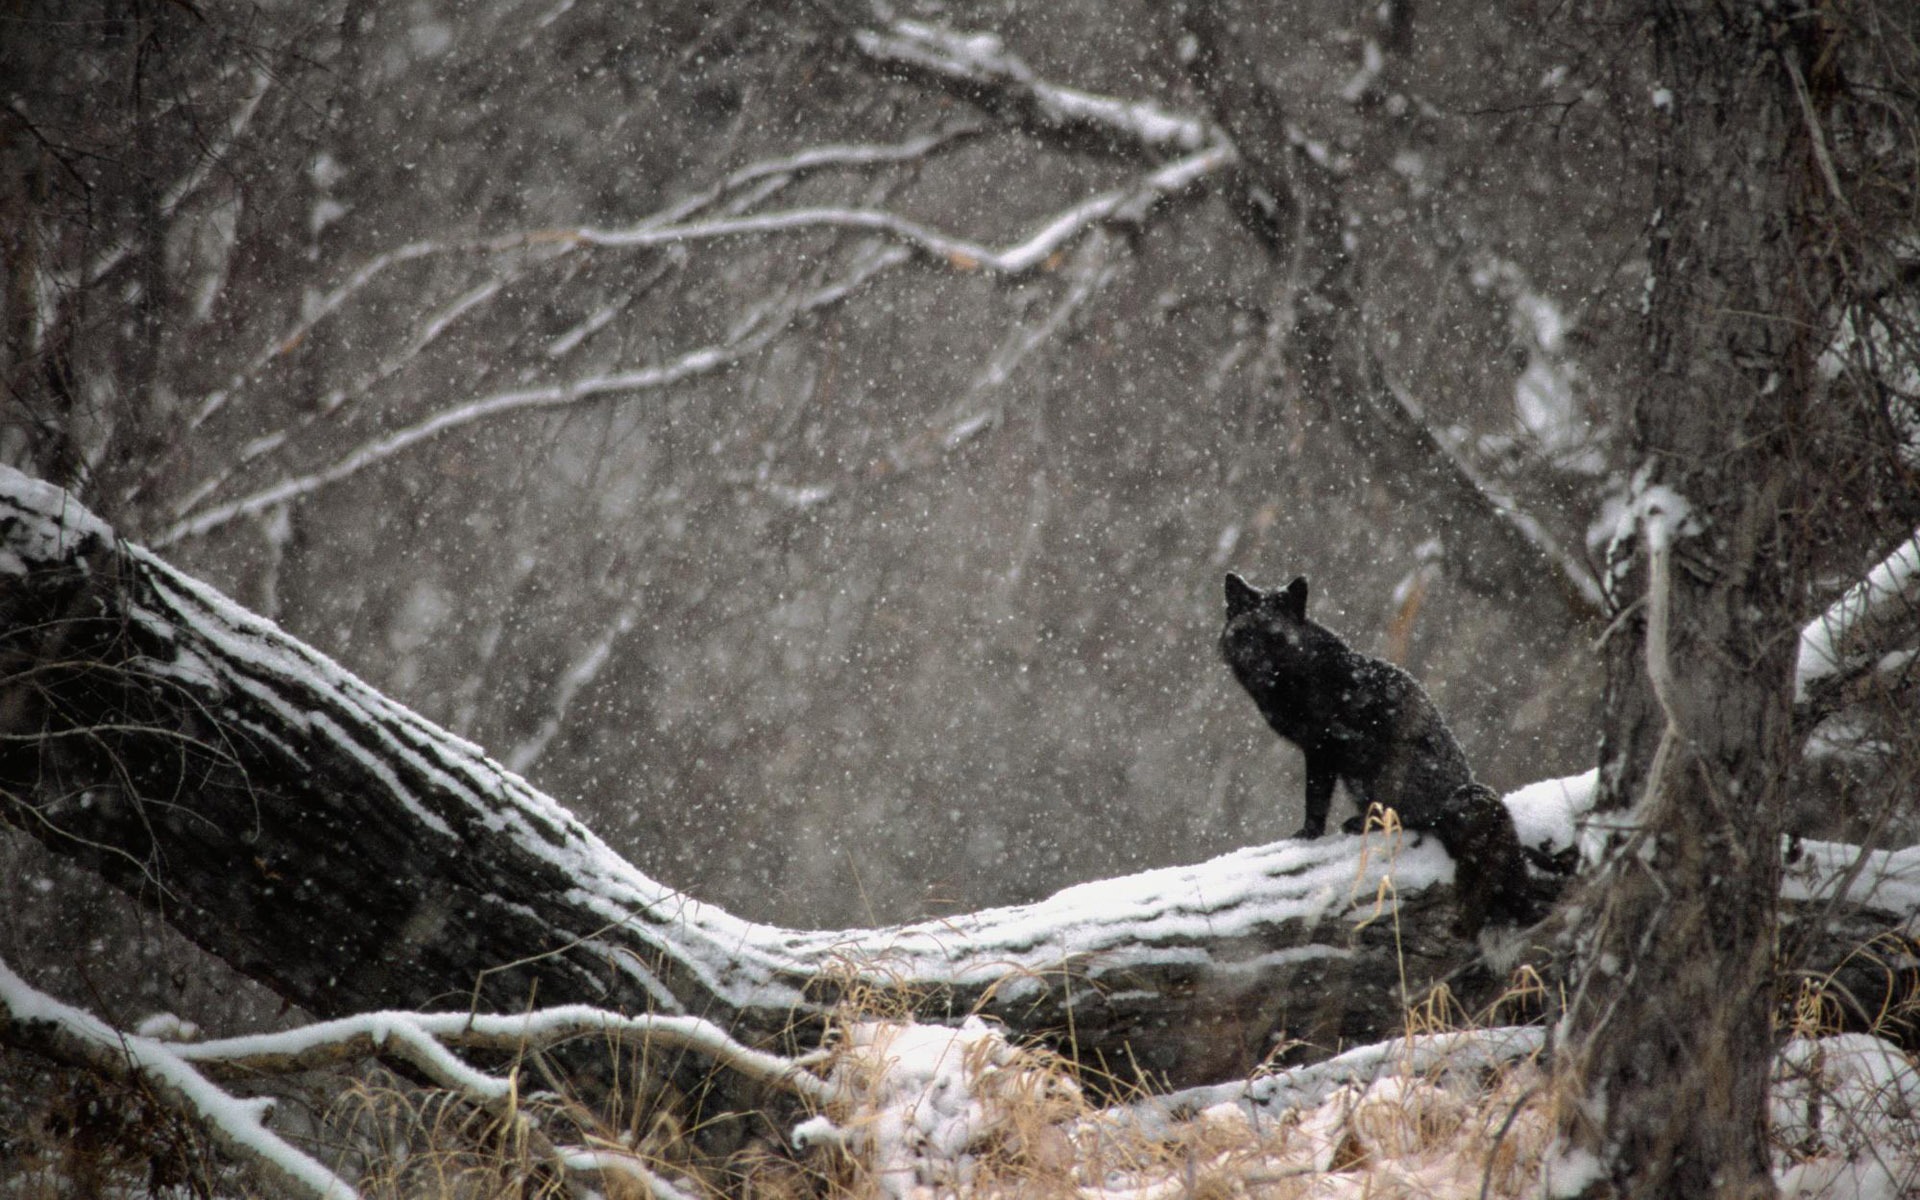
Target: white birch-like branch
(1128,203)
(560,243)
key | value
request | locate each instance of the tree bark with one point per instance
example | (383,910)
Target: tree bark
(1672,1021)
(351,856)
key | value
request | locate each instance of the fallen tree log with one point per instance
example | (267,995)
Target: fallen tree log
(351,856)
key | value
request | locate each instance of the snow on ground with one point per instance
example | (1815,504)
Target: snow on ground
(1546,814)
(922,1112)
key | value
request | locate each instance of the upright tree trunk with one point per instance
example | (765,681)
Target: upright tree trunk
(1671,1034)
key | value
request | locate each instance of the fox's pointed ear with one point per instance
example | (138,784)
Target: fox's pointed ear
(1241,596)
(1293,601)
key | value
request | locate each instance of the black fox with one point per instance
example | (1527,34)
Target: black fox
(1368,724)
(1359,720)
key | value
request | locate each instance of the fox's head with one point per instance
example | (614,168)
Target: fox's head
(1243,597)
(1266,632)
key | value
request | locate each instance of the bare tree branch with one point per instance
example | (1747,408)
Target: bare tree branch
(747,337)
(557,243)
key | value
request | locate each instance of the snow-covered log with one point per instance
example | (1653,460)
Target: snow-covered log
(354,857)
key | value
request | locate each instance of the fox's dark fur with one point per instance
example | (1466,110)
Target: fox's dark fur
(1359,721)
(1368,724)
(1490,877)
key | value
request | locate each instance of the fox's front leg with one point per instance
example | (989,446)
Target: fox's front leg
(1320,780)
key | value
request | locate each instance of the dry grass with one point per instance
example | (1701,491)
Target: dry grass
(1028,1129)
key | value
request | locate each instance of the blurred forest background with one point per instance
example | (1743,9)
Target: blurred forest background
(639,391)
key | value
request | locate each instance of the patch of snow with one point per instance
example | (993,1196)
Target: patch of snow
(915,1093)
(167,1027)
(325,212)
(1847,1109)
(1663,514)
(56,527)
(1547,814)
(1888,880)
(1845,1093)
(430,39)
(1831,1178)
(1570,1171)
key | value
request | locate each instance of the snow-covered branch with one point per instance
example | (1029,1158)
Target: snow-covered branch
(423,1039)
(258,448)
(35,1021)
(789,167)
(980,66)
(1874,626)
(313,315)
(1125,204)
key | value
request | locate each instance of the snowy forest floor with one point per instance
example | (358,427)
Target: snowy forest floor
(910,1111)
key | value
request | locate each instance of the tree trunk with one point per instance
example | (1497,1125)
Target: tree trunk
(1671,1036)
